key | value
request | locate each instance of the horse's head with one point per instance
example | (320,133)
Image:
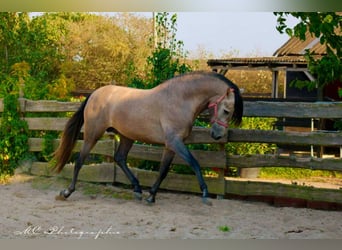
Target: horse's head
(221,109)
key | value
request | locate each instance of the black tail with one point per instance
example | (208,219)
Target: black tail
(69,138)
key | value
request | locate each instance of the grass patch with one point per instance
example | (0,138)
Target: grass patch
(224,229)
(86,188)
(47,183)
(4,179)
(296,173)
(94,189)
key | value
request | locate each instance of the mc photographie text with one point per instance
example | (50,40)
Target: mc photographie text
(62,231)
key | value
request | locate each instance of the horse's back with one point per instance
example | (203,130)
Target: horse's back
(133,113)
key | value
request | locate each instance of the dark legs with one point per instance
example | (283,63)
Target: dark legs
(78,165)
(120,158)
(164,169)
(176,145)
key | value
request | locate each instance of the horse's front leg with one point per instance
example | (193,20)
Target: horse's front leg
(164,169)
(179,148)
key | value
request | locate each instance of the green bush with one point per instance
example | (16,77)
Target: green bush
(13,134)
(246,148)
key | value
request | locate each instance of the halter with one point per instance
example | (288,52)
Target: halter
(214,105)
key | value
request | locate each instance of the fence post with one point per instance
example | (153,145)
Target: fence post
(221,171)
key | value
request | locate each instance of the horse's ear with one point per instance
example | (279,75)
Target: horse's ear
(230,90)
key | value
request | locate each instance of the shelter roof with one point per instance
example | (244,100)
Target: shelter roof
(296,47)
(258,62)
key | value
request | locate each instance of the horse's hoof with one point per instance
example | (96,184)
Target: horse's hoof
(206,201)
(150,200)
(60,197)
(137,196)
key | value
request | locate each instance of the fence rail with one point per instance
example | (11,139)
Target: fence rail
(108,172)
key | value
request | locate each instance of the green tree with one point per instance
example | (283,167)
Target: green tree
(13,134)
(34,42)
(326,26)
(168,57)
(101,50)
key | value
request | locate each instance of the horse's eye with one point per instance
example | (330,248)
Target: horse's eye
(226,112)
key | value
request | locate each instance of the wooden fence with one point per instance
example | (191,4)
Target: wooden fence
(109,172)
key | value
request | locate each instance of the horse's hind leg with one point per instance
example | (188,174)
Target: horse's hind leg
(120,158)
(87,146)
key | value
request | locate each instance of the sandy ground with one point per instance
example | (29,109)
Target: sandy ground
(29,210)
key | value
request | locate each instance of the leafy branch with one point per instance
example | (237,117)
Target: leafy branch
(325,26)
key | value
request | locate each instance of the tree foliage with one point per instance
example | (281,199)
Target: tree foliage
(63,51)
(33,44)
(168,57)
(13,134)
(326,26)
(101,52)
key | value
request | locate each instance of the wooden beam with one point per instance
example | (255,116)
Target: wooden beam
(262,188)
(293,109)
(254,161)
(282,137)
(275,77)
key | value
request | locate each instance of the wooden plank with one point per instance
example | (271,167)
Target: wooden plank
(153,153)
(202,136)
(282,137)
(254,161)
(102,147)
(100,173)
(50,106)
(173,181)
(293,109)
(46,123)
(105,173)
(259,188)
(205,158)
(251,109)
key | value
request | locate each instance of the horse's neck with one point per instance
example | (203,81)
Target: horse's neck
(200,94)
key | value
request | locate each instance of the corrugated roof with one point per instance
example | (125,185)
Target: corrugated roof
(296,47)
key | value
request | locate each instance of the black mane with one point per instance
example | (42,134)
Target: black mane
(238,105)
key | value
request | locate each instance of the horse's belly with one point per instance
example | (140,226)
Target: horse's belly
(142,131)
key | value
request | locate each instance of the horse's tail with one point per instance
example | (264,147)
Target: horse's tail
(69,138)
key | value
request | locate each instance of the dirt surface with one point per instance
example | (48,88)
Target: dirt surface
(29,210)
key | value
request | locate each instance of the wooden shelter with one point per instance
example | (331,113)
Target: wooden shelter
(289,58)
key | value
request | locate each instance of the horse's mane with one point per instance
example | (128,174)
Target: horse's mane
(238,105)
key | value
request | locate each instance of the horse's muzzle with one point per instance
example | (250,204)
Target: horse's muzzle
(217,132)
(215,137)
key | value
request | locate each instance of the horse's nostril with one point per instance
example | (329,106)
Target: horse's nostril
(218,137)
(214,136)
